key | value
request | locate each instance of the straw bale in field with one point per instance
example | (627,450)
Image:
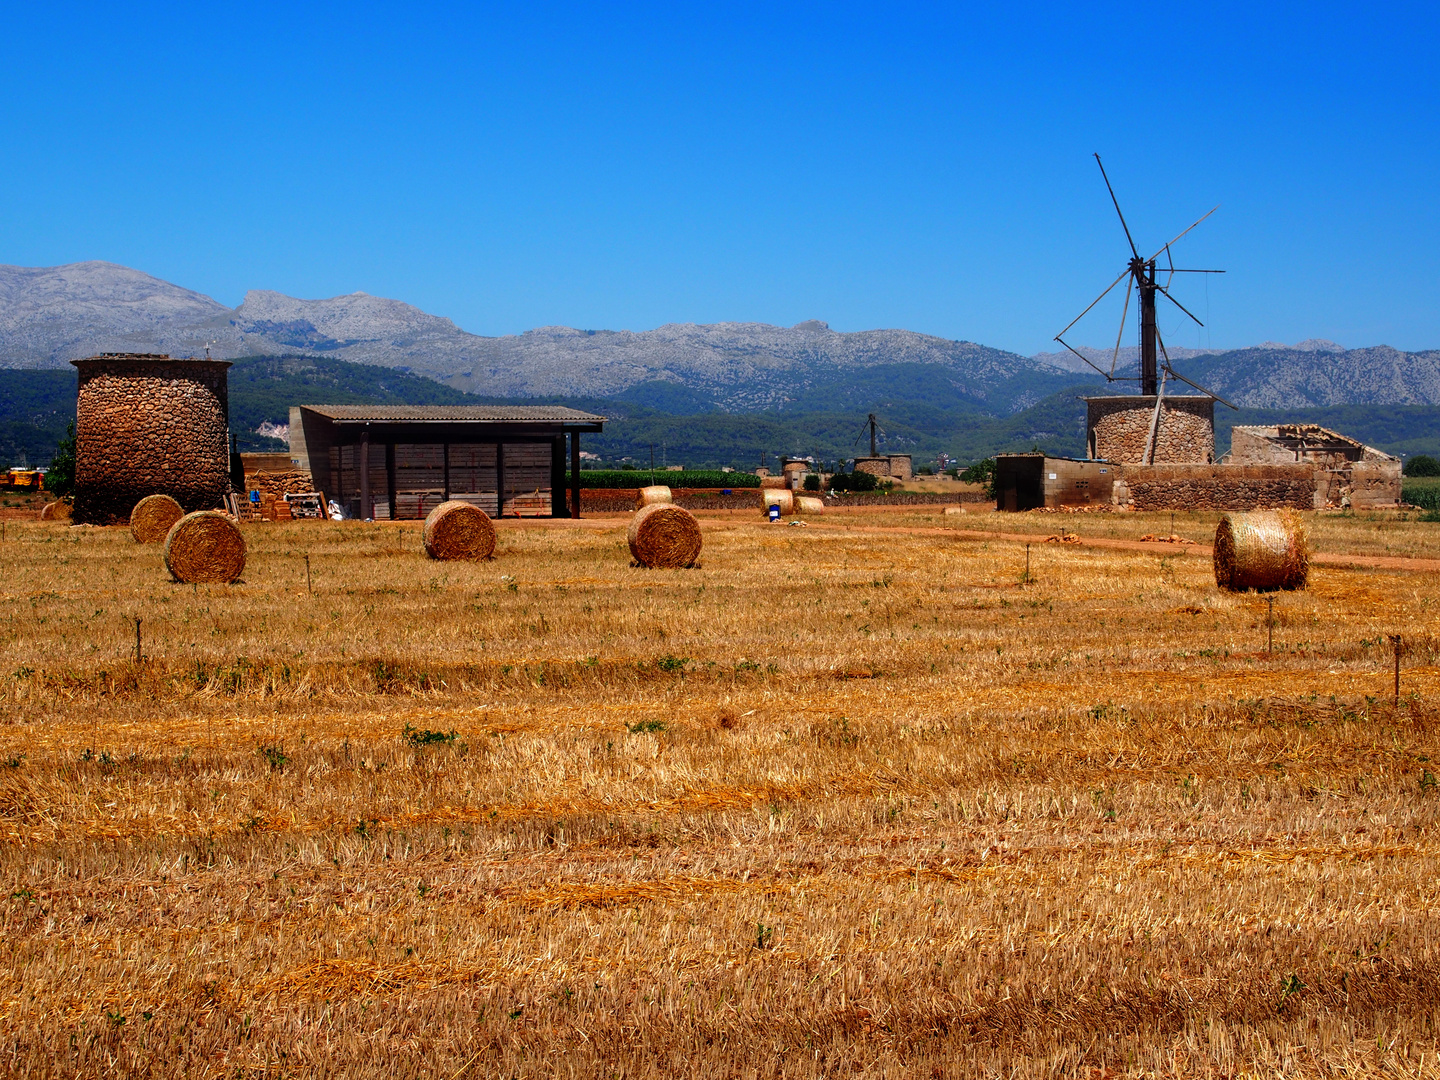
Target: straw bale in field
(663,535)
(770,482)
(1264,550)
(808,505)
(205,548)
(781,497)
(152,518)
(55,511)
(657,494)
(459,530)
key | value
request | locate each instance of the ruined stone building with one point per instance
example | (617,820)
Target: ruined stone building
(1347,472)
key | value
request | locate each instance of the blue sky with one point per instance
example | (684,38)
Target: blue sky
(599,166)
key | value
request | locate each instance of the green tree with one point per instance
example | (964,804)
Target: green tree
(982,472)
(1422,465)
(60,479)
(854,481)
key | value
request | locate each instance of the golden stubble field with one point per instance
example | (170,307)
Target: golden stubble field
(839,802)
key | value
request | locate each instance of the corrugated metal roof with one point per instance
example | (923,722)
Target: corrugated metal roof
(550,414)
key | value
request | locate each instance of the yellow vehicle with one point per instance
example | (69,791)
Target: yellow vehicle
(27,479)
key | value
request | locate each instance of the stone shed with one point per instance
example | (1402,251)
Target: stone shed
(148,424)
(1121,428)
(1032,481)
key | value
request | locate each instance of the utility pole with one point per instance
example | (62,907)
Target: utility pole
(873,451)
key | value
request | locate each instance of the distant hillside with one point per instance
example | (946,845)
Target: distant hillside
(263,388)
(36,406)
(917,415)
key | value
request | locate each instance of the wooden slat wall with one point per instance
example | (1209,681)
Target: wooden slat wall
(344,467)
(472,475)
(419,479)
(527,470)
(420,476)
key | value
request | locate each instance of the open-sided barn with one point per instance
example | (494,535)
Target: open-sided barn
(403,461)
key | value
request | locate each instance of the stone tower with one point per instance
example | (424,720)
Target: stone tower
(147,424)
(1130,430)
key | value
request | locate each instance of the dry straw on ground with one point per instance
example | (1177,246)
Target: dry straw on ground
(55,511)
(655,495)
(459,530)
(809,505)
(153,517)
(859,800)
(1268,549)
(781,497)
(205,548)
(664,536)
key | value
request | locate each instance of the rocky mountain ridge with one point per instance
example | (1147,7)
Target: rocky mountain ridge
(49,316)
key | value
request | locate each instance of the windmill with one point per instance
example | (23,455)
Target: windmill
(1142,276)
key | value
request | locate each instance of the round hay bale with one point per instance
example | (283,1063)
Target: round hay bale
(809,506)
(55,511)
(459,530)
(781,497)
(205,548)
(1262,551)
(658,495)
(665,536)
(152,518)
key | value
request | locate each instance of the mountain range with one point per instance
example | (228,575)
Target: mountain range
(49,316)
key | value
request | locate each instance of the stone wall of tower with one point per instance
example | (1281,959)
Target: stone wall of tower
(147,424)
(1119,428)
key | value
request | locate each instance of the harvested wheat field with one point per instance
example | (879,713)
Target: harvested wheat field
(855,799)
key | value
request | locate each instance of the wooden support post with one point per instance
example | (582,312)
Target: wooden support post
(557,477)
(139,656)
(575,474)
(445,451)
(366,507)
(499,479)
(390,478)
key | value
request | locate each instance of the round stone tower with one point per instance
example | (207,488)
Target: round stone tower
(146,424)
